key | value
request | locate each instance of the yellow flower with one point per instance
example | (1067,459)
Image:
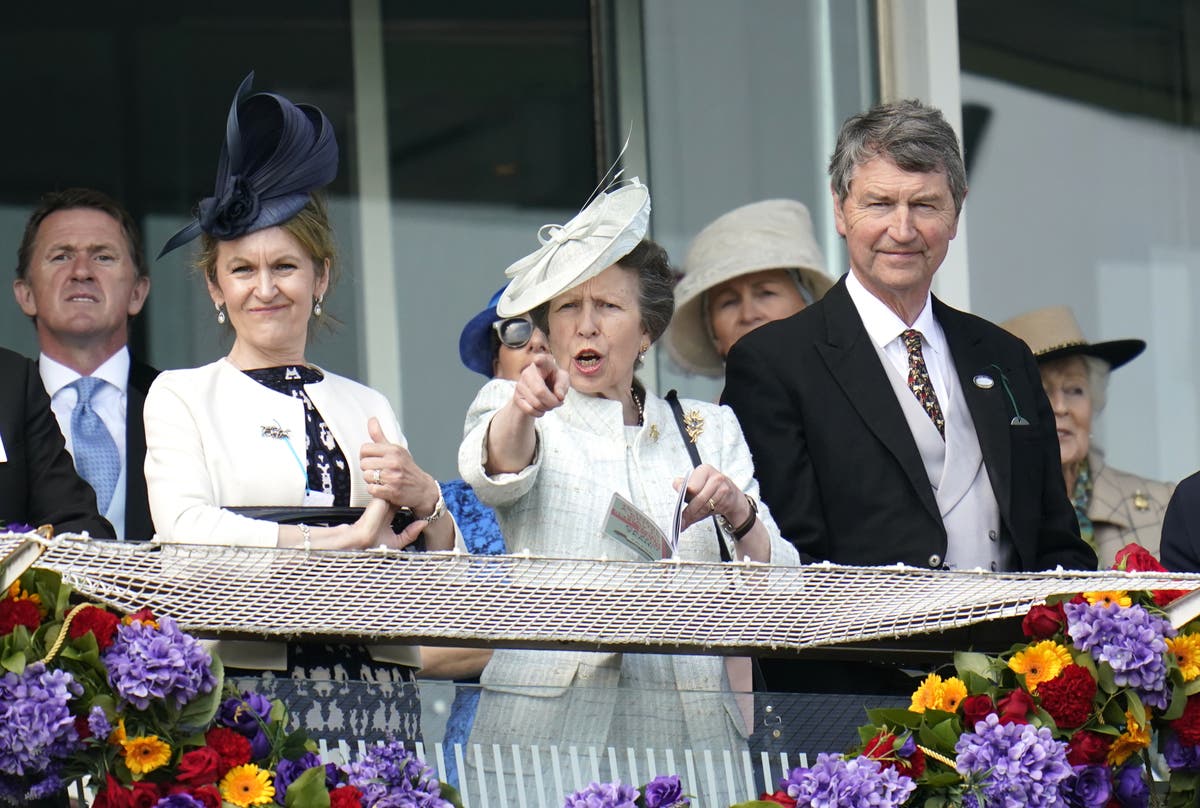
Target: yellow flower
(145,753)
(953,692)
(1040,662)
(15,592)
(928,695)
(117,738)
(247,785)
(1186,648)
(1108,598)
(1131,740)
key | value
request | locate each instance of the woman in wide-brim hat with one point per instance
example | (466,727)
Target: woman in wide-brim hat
(1114,507)
(261,427)
(754,264)
(549,451)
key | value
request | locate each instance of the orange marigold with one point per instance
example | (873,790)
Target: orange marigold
(1133,739)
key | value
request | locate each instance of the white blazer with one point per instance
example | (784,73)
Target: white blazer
(207,448)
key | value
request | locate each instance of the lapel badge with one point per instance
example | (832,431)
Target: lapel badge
(1141,501)
(984,381)
(654,433)
(693,424)
(275,431)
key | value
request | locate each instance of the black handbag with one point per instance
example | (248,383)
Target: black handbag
(316,516)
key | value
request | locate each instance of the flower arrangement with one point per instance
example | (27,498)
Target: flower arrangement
(662,792)
(137,705)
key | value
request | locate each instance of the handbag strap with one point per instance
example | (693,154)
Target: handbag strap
(672,398)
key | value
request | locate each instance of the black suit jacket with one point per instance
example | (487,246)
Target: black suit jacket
(138,526)
(837,462)
(38,482)
(1180,547)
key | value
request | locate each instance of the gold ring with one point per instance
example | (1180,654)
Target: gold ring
(712,506)
(377,476)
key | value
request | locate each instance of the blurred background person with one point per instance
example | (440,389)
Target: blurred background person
(1114,507)
(549,451)
(82,277)
(757,263)
(262,427)
(497,348)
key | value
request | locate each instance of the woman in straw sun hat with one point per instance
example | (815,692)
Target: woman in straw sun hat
(754,264)
(1114,507)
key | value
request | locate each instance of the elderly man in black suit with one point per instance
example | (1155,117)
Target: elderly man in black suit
(886,426)
(82,277)
(38,483)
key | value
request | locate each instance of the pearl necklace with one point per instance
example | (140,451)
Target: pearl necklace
(640,403)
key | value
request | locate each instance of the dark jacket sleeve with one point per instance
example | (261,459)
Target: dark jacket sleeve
(1181,528)
(56,495)
(1058,541)
(773,424)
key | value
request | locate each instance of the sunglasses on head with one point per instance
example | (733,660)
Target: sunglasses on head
(514,332)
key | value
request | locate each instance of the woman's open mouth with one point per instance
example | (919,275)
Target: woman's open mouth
(588,362)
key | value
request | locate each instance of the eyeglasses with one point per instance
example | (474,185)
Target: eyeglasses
(514,332)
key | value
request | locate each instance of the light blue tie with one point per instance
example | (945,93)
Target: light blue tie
(96,455)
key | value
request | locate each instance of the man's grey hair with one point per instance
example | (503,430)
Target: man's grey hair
(912,135)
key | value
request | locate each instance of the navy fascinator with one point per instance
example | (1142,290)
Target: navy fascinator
(275,153)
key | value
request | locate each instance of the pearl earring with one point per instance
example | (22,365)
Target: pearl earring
(316,307)
(220,313)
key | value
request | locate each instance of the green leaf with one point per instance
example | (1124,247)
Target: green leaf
(1192,687)
(1104,678)
(977,683)
(1136,708)
(1178,703)
(450,794)
(308,790)
(14,662)
(947,735)
(894,717)
(199,711)
(294,745)
(972,662)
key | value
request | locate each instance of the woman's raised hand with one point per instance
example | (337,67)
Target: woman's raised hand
(541,387)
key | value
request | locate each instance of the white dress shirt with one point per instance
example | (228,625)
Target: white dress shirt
(109,401)
(884,327)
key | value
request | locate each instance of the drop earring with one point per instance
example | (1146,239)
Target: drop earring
(220,313)
(317,307)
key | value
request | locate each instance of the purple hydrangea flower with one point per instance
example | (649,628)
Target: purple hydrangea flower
(665,792)
(1131,640)
(856,783)
(603,795)
(98,723)
(1132,789)
(49,785)
(36,725)
(389,776)
(1179,756)
(18,527)
(180,800)
(1015,764)
(246,713)
(1089,787)
(148,664)
(288,770)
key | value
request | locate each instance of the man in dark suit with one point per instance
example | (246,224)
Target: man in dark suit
(82,277)
(38,483)
(886,426)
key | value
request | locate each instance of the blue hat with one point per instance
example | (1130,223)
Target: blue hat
(475,342)
(275,153)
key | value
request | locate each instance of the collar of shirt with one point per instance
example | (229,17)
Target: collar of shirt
(884,326)
(114,370)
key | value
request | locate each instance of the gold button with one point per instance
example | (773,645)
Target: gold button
(1141,501)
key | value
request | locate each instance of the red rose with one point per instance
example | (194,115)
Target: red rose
(1134,557)
(208,794)
(15,613)
(1068,696)
(351,797)
(1015,707)
(201,767)
(146,795)
(232,746)
(976,708)
(81,727)
(1043,622)
(113,795)
(1188,725)
(99,621)
(140,615)
(780,797)
(1088,748)
(883,748)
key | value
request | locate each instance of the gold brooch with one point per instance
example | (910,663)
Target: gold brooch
(654,433)
(693,423)
(1140,501)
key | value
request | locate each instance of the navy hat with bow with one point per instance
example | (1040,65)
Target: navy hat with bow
(275,153)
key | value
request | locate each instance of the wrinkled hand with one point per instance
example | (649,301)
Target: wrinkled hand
(399,481)
(541,387)
(711,492)
(374,528)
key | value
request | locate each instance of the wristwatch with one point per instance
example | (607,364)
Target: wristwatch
(736,533)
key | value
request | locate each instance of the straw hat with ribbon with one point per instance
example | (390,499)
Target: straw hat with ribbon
(1054,333)
(772,234)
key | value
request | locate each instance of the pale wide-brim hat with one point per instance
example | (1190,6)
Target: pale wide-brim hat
(1054,333)
(601,234)
(772,234)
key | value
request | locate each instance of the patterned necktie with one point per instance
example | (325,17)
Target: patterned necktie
(96,455)
(918,380)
